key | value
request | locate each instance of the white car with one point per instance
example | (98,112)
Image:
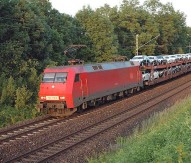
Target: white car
(153,60)
(161,59)
(188,55)
(168,58)
(140,59)
(173,58)
(156,74)
(179,57)
(147,75)
(185,56)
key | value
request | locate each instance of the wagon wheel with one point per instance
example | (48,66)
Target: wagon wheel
(79,109)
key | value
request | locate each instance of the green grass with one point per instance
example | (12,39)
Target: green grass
(166,137)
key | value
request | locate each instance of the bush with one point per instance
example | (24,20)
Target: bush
(10,115)
(22,97)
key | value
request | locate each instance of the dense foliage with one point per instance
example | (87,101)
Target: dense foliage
(34,36)
(165,138)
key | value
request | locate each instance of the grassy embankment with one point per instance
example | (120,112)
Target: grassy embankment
(166,137)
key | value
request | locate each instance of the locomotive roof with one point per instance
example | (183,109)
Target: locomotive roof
(95,66)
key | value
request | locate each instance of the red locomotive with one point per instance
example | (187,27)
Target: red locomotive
(66,89)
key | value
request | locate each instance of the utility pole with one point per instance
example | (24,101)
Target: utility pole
(189,42)
(137,44)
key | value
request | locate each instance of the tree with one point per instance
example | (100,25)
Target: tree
(101,32)
(171,25)
(8,92)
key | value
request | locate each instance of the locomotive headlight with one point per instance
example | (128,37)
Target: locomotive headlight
(43,98)
(62,98)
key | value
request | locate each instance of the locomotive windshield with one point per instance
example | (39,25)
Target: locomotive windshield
(54,77)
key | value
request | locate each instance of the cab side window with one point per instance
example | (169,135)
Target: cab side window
(77,78)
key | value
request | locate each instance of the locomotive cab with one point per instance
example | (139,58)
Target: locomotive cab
(53,95)
(53,86)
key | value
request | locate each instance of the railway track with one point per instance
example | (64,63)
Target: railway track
(27,129)
(55,148)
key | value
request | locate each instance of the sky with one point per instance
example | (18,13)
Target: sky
(71,7)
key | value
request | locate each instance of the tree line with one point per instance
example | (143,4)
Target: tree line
(34,35)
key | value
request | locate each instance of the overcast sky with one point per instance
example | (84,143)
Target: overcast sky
(72,6)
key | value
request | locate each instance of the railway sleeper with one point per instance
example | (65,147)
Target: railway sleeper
(42,154)
(54,148)
(49,150)
(29,160)
(33,157)
(59,145)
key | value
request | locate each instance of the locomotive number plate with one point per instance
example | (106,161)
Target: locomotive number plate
(52,98)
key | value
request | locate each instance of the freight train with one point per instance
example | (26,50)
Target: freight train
(67,89)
